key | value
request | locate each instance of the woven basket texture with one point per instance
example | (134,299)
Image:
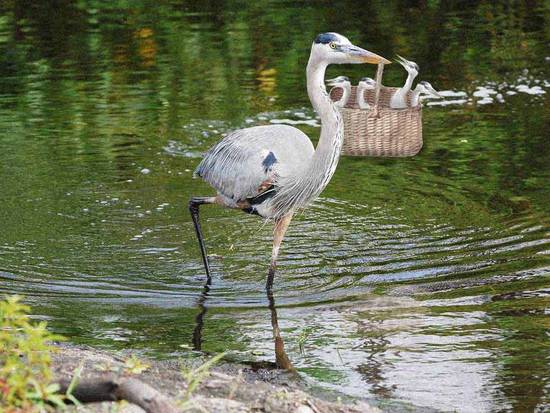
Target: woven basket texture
(380,131)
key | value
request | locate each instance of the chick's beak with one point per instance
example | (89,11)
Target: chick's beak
(434,93)
(402,60)
(364,56)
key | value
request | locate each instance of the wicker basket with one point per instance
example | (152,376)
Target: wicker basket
(380,130)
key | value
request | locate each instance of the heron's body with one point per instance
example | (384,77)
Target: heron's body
(241,165)
(274,170)
(399,98)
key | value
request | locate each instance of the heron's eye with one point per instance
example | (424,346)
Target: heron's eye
(332,45)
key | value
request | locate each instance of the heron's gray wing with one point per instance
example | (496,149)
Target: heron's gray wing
(244,159)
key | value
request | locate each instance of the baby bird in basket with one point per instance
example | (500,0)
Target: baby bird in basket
(365,83)
(399,98)
(343,83)
(423,88)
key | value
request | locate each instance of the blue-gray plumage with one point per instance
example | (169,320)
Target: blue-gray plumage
(236,166)
(269,161)
(274,170)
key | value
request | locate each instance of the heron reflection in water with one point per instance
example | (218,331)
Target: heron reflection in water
(281,359)
(274,170)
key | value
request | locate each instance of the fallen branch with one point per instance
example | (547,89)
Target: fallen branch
(112,389)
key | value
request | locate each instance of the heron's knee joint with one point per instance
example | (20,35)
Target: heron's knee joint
(193,206)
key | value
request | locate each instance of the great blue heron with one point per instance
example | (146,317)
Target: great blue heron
(423,88)
(274,170)
(343,83)
(399,98)
(365,83)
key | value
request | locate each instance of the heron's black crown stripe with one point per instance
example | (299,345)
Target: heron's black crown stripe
(268,162)
(326,38)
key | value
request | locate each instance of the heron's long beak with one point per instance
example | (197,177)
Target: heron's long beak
(364,56)
(433,92)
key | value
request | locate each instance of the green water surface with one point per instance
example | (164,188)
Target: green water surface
(419,282)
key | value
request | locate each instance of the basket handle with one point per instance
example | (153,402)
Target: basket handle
(377,89)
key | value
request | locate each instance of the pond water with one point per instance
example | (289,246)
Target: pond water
(413,283)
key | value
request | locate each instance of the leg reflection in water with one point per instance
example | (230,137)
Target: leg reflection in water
(281,359)
(199,320)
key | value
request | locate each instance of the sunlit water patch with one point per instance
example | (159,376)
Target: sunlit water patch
(495,92)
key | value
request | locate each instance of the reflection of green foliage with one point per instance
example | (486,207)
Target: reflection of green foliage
(491,288)
(303,337)
(25,374)
(325,374)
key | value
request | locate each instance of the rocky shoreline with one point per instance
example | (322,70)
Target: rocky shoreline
(226,387)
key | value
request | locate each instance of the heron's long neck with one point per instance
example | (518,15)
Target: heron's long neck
(415,96)
(399,99)
(346,92)
(360,98)
(326,156)
(408,83)
(309,180)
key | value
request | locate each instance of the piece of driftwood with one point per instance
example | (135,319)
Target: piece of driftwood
(112,389)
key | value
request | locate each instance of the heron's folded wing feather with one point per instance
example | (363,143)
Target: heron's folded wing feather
(244,159)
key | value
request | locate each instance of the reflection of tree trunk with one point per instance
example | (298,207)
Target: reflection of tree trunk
(199,320)
(281,359)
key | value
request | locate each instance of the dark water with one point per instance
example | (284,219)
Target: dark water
(417,282)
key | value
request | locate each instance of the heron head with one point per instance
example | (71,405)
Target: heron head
(367,83)
(410,67)
(334,48)
(340,81)
(427,88)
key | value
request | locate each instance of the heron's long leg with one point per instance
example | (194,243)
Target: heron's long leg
(194,204)
(281,225)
